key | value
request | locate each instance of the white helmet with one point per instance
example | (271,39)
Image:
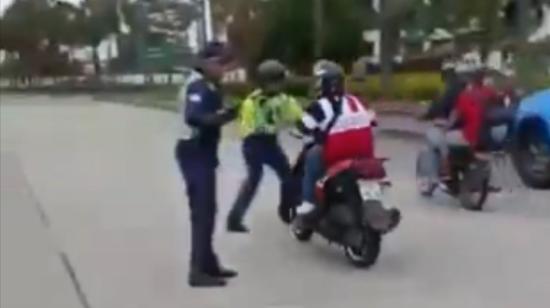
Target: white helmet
(448,65)
(470,62)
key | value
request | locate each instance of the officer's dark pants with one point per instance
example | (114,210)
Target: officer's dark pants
(260,150)
(199,173)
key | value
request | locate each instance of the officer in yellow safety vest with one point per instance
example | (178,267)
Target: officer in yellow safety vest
(261,116)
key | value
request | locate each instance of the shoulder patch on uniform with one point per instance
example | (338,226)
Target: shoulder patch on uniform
(194,98)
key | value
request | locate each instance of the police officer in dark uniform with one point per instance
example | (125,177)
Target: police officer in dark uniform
(197,156)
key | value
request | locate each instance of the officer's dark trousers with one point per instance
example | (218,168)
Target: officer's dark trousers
(199,173)
(260,150)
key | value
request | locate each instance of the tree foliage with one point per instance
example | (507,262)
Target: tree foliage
(246,28)
(34,30)
(258,29)
(284,29)
(30,15)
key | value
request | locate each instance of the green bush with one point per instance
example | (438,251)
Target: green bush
(238,89)
(406,86)
(531,70)
(296,86)
(542,82)
(299,86)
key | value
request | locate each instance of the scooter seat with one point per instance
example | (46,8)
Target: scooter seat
(365,168)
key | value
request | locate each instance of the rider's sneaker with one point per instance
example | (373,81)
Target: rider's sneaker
(305,208)
(426,187)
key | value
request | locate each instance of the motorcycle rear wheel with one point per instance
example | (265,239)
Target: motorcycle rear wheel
(474,190)
(367,254)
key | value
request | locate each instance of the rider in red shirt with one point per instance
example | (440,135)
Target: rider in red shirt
(471,106)
(470,109)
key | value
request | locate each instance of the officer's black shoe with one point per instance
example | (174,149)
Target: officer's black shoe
(236,226)
(223,273)
(285,214)
(203,280)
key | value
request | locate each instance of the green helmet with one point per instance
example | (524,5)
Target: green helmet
(271,71)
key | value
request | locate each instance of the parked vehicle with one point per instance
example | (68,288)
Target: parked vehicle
(531,150)
(351,213)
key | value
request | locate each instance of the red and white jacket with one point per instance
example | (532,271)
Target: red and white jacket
(349,135)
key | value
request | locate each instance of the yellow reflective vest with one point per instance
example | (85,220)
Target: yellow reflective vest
(260,114)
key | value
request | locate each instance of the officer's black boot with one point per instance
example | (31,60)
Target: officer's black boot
(285,213)
(199,279)
(236,225)
(222,272)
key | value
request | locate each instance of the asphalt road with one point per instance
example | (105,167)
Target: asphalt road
(93,214)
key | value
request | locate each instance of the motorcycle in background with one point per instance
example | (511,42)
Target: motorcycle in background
(469,178)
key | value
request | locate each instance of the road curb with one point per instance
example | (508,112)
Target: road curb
(402,125)
(409,109)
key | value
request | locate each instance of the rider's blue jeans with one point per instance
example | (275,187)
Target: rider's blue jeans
(314,169)
(439,142)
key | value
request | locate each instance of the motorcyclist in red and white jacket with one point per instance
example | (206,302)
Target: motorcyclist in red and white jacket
(341,126)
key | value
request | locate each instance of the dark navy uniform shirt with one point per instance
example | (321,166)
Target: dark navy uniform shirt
(203,98)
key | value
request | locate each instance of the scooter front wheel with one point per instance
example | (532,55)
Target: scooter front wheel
(366,255)
(301,235)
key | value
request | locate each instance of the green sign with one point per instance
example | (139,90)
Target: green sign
(159,58)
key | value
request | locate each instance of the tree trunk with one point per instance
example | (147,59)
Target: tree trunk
(523,7)
(491,23)
(389,38)
(97,64)
(318,28)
